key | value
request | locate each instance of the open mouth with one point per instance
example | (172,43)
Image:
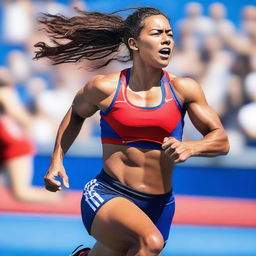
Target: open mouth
(165,52)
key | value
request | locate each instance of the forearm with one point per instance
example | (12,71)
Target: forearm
(67,133)
(212,144)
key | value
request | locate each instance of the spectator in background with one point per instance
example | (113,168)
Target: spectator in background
(77,4)
(49,6)
(17,21)
(244,42)
(19,66)
(16,147)
(236,96)
(217,63)
(186,59)
(52,102)
(247,113)
(248,17)
(44,126)
(199,24)
(217,13)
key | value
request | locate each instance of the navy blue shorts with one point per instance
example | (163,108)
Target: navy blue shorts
(98,191)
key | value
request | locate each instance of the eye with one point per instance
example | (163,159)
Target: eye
(155,34)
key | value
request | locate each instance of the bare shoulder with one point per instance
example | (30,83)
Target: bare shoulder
(92,96)
(104,84)
(100,87)
(187,88)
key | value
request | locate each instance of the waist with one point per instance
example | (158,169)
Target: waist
(116,185)
(143,169)
(134,142)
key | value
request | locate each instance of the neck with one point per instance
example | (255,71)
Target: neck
(144,77)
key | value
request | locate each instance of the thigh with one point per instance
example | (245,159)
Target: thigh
(119,223)
(161,213)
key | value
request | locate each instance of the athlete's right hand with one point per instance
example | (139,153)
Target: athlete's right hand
(54,171)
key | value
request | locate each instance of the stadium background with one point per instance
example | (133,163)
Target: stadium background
(216,207)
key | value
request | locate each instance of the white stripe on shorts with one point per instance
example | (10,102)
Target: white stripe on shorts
(91,196)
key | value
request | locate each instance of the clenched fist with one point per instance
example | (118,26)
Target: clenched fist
(176,150)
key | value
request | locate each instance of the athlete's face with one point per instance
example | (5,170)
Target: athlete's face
(155,42)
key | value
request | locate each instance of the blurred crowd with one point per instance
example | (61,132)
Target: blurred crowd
(222,58)
(210,48)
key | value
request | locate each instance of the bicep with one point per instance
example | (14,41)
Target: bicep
(203,117)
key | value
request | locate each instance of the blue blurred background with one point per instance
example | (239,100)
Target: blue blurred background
(215,44)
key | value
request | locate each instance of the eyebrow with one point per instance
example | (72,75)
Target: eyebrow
(162,30)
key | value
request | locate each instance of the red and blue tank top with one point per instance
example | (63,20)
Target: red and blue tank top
(124,123)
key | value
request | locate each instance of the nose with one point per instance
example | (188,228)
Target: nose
(166,39)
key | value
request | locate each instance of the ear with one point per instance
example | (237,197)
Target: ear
(133,44)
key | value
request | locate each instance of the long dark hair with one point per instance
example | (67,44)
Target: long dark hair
(93,36)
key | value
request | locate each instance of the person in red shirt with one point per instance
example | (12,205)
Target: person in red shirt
(17,148)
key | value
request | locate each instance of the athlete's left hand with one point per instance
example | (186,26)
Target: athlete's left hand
(176,150)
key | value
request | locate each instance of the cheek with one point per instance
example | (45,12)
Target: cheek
(149,43)
(149,48)
(146,49)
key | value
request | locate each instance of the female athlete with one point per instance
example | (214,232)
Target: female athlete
(129,206)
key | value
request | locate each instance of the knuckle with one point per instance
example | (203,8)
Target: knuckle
(182,158)
(179,151)
(164,146)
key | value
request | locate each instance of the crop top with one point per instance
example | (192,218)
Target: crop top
(124,123)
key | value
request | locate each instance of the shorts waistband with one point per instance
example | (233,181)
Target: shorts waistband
(118,186)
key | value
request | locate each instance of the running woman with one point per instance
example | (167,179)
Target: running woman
(128,207)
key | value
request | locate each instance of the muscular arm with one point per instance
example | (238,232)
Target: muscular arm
(214,141)
(72,123)
(83,106)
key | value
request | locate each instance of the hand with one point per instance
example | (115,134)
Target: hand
(176,150)
(55,170)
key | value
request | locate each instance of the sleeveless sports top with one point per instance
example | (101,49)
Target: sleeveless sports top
(146,127)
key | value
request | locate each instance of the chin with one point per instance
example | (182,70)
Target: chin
(163,64)
(158,64)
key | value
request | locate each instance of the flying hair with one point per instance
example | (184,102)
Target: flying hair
(92,36)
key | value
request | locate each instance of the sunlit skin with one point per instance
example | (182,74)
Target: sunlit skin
(142,169)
